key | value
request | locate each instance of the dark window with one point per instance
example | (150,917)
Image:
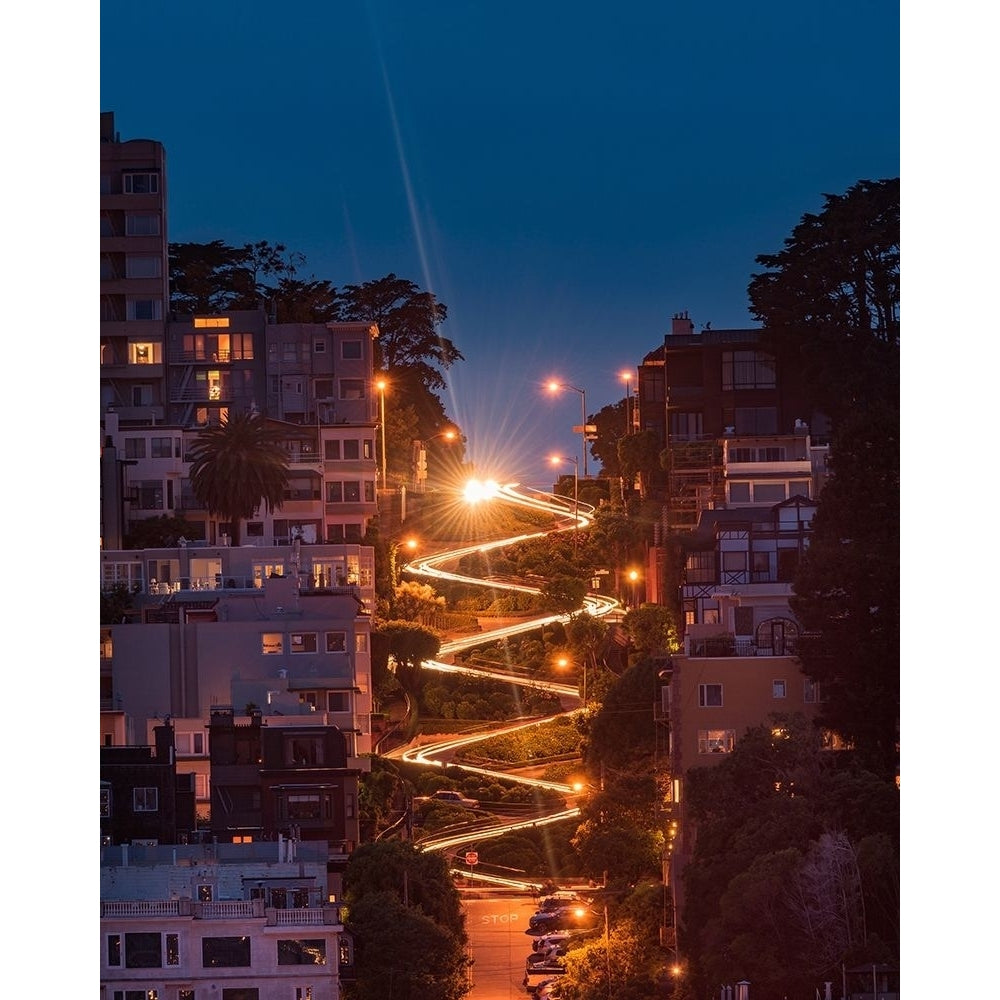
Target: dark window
(337,701)
(149,494)
(142,951)
(350,350)
(700,567)
(710,695)
(747,370)
(352,449)
(744,621)
(225,953)
(336,642)
(161,447)
(141,183)
(331,450)
(173,950)
(352,492)
(114,949)
(311,951)
(240,993)
(756,419)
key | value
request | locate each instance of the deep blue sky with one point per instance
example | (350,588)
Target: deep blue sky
(563,176)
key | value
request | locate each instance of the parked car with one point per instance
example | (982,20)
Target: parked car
(543,922)
(448,796)
(551,954)
(559,937)
(536,979)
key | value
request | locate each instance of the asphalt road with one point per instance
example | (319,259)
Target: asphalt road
(499,945)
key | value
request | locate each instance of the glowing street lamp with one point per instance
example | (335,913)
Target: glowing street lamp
(556,460)
(628,402)
(420,454)
(381,386)
(563,663)
(555,387)
(633,579)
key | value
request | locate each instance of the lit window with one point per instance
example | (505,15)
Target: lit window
(271,642)
(716,740)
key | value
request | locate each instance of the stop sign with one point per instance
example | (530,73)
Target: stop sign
(471,858)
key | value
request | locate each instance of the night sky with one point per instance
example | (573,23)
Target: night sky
(564,177)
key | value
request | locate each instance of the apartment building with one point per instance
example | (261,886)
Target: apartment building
(316,389)
(698,388)
(255,921)
(134,275)
(205,618)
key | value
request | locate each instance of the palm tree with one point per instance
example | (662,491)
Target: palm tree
(236,465)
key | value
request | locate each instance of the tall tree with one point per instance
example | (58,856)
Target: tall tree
(204,277)
(297,301)
(408,321)
(238,465)
(408,925)
(215,277)
(612,426)
(847,588)
(829,300)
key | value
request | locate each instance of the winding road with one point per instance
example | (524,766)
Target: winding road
(437,754)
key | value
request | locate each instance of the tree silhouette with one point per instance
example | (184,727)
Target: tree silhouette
(238,465)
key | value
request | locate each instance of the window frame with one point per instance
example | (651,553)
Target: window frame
(141,797)
(706,694)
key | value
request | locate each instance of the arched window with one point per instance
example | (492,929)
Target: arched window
(776,637)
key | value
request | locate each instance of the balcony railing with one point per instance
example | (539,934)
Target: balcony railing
(722,646)
(229,909)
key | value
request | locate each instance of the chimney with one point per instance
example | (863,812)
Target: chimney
(681,324)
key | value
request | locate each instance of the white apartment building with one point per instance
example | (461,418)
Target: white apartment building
(219,922)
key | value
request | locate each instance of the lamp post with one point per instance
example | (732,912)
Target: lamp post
(420,455)
(633,577)
(563,663)
(555,387)
(628,402)
(380,385)
(556,459)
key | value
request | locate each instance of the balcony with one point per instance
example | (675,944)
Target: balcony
(231,909)
(725,645)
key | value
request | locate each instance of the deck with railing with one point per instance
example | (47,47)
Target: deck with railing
(226,909)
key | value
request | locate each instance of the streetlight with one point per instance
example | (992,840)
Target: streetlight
(563,663)
(628,402)
(633,578)
(555,460)
(555,387)
(380,385)
(420,455)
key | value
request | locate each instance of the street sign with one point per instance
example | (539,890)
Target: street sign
(471,858)
(588,428)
